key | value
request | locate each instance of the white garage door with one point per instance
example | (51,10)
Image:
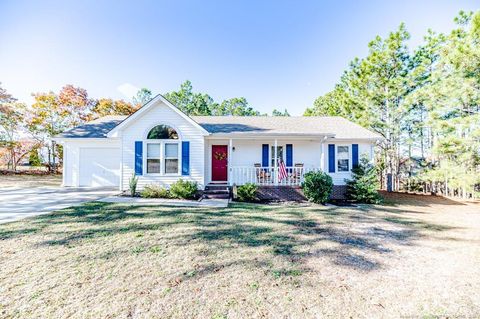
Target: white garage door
(99,167)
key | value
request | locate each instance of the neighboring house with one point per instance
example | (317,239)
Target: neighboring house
(160,144)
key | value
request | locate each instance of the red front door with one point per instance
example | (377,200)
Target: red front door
(219,163)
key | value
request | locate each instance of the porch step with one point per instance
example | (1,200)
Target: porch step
(216,187)
(217,196)
(217,191)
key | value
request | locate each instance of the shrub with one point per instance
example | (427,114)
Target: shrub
(132,184)
(184,189)
(247,192)
(155,191)
(317,187)
(34,158)
(363,187)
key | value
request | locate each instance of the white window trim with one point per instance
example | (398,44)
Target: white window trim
(162,156)
(146,158)
(271,154)
(349,158)
(179,158)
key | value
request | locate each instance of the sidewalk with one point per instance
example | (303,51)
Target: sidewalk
(217,203)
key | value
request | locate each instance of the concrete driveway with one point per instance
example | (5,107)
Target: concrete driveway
(17,203)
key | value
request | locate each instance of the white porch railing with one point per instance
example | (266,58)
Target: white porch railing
(265,176)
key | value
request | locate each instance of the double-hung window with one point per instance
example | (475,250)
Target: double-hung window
(171,158)
(162,146)
(153,158)
(343,158)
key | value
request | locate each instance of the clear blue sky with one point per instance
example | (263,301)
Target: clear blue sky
(279,54)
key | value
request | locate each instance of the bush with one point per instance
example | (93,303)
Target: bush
(247,192)
(34,158)
(155,191)
(132,184)
(184,189)
(363,187)
(317,187)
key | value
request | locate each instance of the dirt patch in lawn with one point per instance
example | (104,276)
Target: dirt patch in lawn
(105,260)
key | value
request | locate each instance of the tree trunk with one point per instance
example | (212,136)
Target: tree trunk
(422,151)
(446,187)
(13,159)
(54,169)
(49,155)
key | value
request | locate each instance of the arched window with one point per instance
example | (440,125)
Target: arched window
(162,132)
(163,150)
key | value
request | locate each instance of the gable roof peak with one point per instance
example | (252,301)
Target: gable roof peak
(158,98)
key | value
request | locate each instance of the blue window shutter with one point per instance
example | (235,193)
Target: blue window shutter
(185,158)
(331,158)
(265,155)
(138,157)
(354,155)
(289,155)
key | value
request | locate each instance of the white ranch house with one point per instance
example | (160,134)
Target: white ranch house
(160,144)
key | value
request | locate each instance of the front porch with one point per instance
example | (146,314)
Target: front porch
(268,176)
(259,160)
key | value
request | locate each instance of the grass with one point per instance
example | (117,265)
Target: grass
(413,257)
(30,180)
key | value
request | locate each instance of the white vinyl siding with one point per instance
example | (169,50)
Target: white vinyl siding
(138,130)
(364,148)
(247,153)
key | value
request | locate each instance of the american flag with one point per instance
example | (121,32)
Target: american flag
(282,170)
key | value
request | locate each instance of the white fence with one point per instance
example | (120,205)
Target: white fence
(265,176)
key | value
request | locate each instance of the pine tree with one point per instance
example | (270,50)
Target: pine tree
(363,187)
(372,93)
(425,103)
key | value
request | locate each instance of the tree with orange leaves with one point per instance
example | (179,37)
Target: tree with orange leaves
(53,113)
(105,107)
(12,148)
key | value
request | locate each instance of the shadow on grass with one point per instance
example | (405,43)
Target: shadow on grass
(12,233)
(350,259)
(293,233)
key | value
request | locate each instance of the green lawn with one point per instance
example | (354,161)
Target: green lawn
(415,257)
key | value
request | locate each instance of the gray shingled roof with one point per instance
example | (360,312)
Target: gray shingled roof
(94,129)
(241,125)
(284,125)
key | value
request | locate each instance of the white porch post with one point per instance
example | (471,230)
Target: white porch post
(322,156)
(229,161)
(275,164)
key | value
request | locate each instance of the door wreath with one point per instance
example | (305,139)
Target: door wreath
(220,156)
